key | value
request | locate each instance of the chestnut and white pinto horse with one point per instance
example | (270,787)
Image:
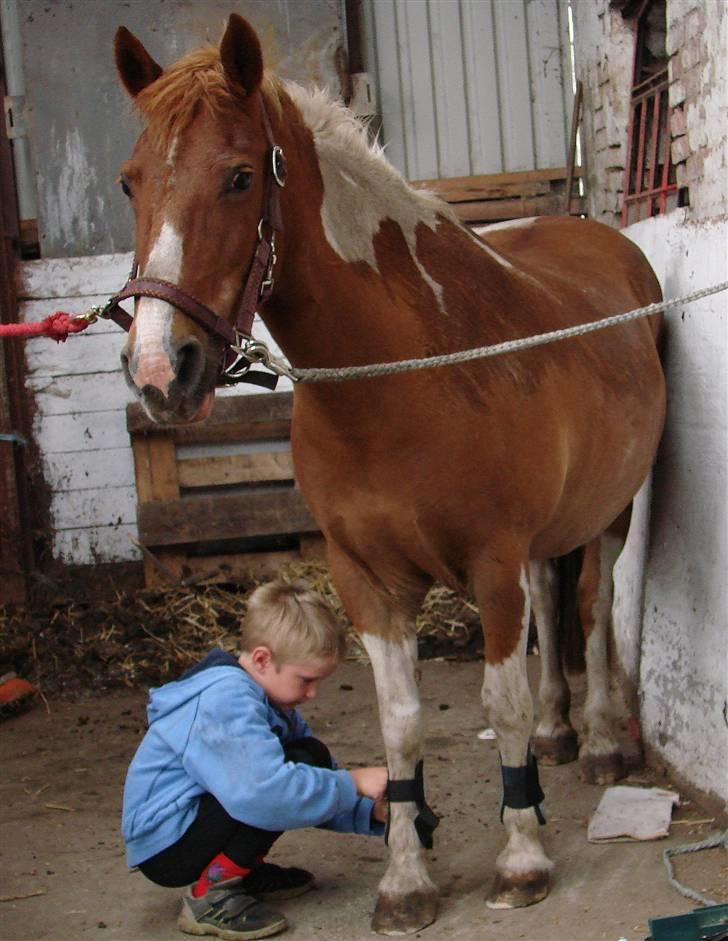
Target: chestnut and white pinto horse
(472,475)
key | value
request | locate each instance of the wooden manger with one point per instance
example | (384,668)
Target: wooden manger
(217,500)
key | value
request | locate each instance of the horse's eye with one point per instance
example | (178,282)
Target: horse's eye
(241,180)
(125,188)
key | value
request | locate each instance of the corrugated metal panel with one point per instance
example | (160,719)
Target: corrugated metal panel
(471,86)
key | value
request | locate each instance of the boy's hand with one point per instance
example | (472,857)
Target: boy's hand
(370,782)
(380,811)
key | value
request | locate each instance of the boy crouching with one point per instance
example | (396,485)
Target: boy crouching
(228,764)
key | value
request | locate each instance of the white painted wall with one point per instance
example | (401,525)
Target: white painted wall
(671,610)
(684,656)
(80,400)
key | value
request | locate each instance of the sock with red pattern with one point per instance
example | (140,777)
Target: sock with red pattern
(220,869)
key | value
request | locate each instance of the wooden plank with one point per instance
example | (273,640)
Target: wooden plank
(235,469)
(225,516)
(242,411)
(105,506)
(485,182)
(61,434)
(453,191)
(80,393)
(236,567)
(89,469)
(155,465)
(86,545)
(73,277)
(502,209)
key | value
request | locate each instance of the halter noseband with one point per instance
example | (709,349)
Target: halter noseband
(240,350)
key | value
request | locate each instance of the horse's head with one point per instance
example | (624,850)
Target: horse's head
(200,181)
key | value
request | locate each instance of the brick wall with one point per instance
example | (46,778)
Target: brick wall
(697,36)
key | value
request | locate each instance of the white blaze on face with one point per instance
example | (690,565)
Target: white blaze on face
(153,318)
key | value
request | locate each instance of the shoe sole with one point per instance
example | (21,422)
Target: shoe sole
(280,894)
(228,934)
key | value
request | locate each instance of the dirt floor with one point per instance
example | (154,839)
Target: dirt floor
(62,859)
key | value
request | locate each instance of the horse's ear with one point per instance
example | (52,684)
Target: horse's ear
(241,55)
(136,67)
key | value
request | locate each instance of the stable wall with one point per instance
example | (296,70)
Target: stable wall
(671,609)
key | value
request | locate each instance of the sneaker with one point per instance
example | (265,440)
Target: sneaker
(228,912)
(268,881)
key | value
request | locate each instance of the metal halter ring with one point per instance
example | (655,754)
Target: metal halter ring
(278,165)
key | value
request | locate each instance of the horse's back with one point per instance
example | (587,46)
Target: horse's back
(572,254)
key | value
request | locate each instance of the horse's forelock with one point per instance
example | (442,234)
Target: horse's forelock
(169,104)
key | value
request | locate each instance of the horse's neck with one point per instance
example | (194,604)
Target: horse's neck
(369,268)
(409,298)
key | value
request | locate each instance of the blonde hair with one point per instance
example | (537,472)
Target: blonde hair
(294,622)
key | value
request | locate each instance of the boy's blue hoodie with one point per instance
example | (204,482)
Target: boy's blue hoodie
(215,731)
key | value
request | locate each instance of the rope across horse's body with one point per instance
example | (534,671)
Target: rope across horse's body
(59,325)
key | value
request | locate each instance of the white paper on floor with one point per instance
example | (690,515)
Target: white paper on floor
(632,813)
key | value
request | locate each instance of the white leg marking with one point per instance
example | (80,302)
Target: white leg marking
(399,714)
(598,712)
(153,318)
(507,698)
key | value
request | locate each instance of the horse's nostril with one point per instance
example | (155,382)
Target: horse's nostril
(125,363)
(190,363)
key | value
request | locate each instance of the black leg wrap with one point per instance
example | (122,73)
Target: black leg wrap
(413,789)
(521,788)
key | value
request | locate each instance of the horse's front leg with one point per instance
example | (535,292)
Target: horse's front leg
(407,896)
(522,867)
(407,899)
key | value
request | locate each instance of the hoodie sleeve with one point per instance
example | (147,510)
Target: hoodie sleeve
(234,754)
(358,820)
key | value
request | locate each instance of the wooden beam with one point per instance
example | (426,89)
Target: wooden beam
(493,185)
(235,469)
(223,516)
(271,408)
(502,209)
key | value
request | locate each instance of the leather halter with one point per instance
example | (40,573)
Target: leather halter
(234,364)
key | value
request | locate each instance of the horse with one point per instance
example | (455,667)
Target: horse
(250,191)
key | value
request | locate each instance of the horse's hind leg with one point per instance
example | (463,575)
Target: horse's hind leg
(502,589)
(555,741)
(599,756)
(407,899)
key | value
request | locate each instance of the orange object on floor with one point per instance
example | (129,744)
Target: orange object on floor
(15,695)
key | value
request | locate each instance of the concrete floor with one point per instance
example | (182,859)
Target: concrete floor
(60,800)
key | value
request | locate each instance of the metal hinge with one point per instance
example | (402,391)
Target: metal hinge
(14,106)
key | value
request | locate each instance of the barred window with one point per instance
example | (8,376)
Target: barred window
(650,181)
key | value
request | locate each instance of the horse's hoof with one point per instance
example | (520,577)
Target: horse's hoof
(556,751)
(404,914)
(519,890)
(602,769)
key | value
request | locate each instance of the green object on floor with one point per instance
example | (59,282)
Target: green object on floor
(702,924)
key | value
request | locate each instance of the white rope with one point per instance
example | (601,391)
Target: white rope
(717,839)
(340,374)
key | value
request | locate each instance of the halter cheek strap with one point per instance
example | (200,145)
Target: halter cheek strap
(521,788)
(413,789)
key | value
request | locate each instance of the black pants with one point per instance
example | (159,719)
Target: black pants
(214,831)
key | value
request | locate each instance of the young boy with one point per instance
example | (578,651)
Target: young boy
(228,763)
